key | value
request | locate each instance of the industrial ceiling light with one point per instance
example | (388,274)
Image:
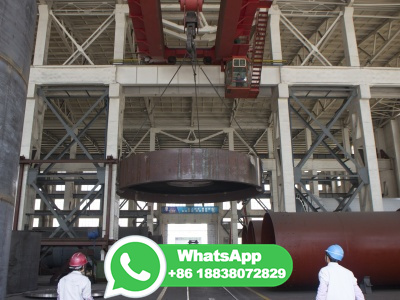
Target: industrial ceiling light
(189,176)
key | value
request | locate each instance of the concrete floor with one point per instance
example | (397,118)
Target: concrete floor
(219,293)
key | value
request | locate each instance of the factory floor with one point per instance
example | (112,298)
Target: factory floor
(219,293)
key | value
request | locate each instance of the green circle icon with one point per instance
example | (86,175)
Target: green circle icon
(135,267)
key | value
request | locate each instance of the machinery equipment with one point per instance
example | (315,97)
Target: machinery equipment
(370,240)
(189,176)
(239,45)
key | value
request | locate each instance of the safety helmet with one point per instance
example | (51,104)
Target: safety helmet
(77,260)
(335,252)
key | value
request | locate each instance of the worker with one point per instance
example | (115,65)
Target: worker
(75,285)
(239,80)
(335,281)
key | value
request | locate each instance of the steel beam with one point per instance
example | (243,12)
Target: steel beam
(307,44)
(147,24)
(383,47)
(75,126)
(79,47)
(353,177)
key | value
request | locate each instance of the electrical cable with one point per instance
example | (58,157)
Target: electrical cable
(155,104)
(197,107)
(237,123)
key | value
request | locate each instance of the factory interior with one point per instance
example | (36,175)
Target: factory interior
(200,122)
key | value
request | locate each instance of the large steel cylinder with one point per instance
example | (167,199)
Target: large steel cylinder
(254,232)
(371,243)
(189,176)
(17,24)
(244,235)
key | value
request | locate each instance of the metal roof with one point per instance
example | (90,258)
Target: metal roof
(377,27)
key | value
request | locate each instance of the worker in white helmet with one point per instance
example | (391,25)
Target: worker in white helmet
(335,281)
(75,285)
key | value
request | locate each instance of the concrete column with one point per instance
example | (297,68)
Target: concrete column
(346,139)
(157,214)
(380,141)
(234,218)
(274,191)
(349,38)
(152,139)
(314,184)
(33,124)
(270,136)
(275,33)
(114,140)
(220,231)
(347,146)
(334,183)
(30,148)
(42,36)
(308,140)
(231,140)
(150,216)
(283,149)
(363,138)
(395,131)
(131,206)
(70,186)
(121,25)
(273,179)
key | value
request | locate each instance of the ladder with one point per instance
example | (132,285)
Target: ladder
(257,51)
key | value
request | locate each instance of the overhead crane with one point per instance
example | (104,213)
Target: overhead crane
(239,45)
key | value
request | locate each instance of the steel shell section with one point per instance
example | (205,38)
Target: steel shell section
(189,176)
(370,240)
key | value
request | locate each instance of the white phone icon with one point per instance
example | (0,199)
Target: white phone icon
(125,260)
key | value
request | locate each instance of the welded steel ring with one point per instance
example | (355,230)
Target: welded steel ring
(189,176)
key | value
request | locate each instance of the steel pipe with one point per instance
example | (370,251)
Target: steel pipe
(371,243)
(16,43)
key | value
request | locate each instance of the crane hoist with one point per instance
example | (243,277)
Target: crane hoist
(239,44)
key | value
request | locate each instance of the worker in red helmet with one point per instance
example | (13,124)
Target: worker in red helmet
(75,285)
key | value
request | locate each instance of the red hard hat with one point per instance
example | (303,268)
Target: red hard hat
(77,260)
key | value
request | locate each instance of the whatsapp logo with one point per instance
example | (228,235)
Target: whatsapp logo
(135,267)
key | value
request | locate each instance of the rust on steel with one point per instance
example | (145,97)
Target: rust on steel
(254,232)
(244,235)
(370,240)
(189,176)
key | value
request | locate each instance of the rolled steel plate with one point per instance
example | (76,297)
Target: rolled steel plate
(370,240)
(189,176)
(52,293)
(254,232)
(244,235)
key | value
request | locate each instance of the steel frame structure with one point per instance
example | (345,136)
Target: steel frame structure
(42,174)
(316,22)
(357,179)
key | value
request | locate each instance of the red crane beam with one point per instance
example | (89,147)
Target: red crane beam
(234,27)
(229,13)
(147,25)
